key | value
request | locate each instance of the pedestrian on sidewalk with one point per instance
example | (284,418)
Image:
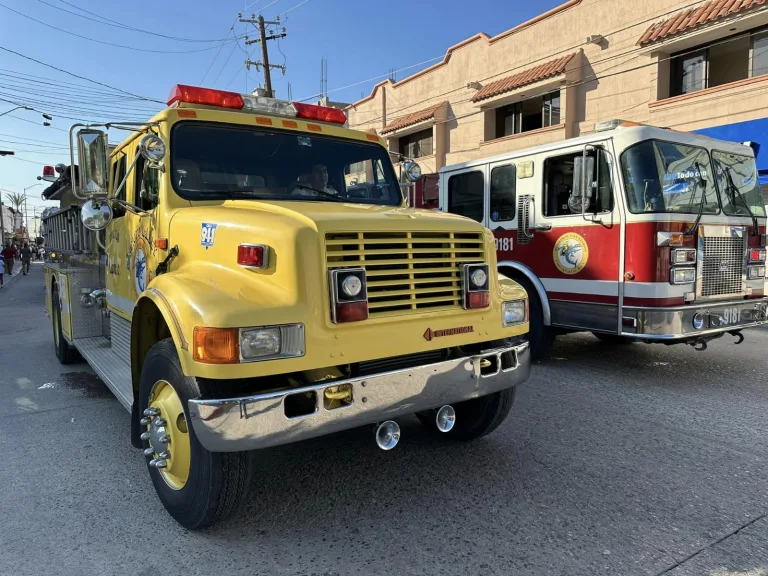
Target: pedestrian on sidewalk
(8,255)
(26,258)
(2,270)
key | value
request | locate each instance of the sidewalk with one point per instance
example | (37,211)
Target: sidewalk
(16,273)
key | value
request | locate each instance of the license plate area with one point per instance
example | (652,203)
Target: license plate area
(734,316)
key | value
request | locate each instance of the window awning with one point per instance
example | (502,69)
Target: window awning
(699,17)
(750,131)
(413,118)
(542,72)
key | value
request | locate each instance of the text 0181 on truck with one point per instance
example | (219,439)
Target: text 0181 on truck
(243,272)
(634,233)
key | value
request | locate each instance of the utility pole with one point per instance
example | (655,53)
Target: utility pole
(262,39)
(2,214)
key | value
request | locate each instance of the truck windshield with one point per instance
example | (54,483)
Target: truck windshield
(219,161)
(668,177)
(738,183)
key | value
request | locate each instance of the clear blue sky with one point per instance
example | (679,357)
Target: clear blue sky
(361,39)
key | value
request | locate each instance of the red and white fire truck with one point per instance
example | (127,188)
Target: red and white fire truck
(632,232)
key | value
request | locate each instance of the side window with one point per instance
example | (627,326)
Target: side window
(503,203)
(146,185)
(118,175)
(465,195)
(562,174)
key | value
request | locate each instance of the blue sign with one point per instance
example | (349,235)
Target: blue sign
(207,235)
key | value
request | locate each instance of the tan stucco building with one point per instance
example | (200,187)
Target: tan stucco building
(700,66)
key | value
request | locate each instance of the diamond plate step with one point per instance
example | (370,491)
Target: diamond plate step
(115,373)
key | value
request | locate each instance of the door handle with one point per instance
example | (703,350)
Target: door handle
(543,227)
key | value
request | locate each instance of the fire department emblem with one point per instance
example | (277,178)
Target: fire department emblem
(570,253)
(140,271)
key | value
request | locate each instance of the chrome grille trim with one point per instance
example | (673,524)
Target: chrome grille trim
(407,272)
(722,262)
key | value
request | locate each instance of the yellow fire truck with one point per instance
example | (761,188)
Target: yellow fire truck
(243,272)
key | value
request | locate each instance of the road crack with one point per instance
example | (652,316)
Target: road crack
(711,544)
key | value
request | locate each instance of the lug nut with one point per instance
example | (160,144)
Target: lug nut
(155,463)
(160,422)
(151,412)
(164,455)
(145,421)
(149,451)
(145,436)
(165,439)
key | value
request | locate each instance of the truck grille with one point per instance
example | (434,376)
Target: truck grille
(407,271)
(722,266)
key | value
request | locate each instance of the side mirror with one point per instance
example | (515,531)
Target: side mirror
(96,214)
(411,171)
(581,191)
(93,158)
(152,148)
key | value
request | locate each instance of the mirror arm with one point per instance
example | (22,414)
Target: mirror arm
(132,207)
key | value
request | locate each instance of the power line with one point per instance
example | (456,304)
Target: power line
(231,31)
(78,76)
(35,123)
(70,33)
(116,24)
(294,7)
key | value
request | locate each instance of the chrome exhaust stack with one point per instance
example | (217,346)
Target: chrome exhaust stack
(445,418)
(387,435)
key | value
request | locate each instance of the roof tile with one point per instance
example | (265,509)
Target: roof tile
(706,13)
(413,118)
(541,72)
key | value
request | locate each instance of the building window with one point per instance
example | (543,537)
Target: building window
(465,195)
(527,115)
(417,144)
(724,61)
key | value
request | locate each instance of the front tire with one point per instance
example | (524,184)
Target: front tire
(540,337)
(65,353)
(197,487)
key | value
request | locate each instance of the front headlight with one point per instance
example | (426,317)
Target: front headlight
(271,342)
(755,272)
(513,312)
(682,276)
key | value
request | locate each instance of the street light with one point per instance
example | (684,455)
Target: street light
(17,108)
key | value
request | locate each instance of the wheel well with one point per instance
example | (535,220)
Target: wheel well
(147,328)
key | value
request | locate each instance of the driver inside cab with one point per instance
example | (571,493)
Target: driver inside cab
(316,180)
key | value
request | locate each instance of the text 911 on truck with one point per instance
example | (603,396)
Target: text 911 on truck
(243,272)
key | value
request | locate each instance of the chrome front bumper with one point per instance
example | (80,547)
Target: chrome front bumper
(260,421)
(670,324)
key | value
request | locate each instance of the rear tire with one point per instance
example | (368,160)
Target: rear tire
(540,337)
(612,339)
(216,481)
(65,353)
(474,418)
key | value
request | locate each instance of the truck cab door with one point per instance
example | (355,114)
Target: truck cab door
(575,249)
(130,250)
(464,192)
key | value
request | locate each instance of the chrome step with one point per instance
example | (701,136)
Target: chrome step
(115,373)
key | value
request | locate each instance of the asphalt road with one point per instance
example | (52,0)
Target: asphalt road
(641,460)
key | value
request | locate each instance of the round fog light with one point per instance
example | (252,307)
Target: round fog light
(698,320)
(351,286)
(479,277)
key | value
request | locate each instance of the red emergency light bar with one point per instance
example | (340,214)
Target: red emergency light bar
(271,106)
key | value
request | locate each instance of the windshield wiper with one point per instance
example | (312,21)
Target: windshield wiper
(735,189)
(699,182)
(321,192)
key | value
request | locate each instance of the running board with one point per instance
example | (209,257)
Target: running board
(115,373)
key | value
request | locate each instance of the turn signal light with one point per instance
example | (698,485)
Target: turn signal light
(216,345)
(477,300)
(252,255)
(757,255)
(351,312)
